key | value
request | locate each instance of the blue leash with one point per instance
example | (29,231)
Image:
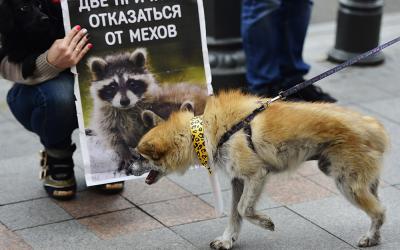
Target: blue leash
(300,86)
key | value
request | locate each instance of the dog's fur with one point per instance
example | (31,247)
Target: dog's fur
(349,148)
(28,28)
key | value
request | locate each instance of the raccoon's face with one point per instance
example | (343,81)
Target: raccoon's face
(121,80)
(122,91)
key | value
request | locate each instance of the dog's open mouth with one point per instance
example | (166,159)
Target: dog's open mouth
(152,177)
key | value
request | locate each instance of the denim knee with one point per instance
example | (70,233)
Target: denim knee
(57,103)
(47,109)
(58,93)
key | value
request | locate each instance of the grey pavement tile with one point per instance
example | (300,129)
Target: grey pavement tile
(180,211)
(163,239)
(347,90)
(291,232)
(111,225)
(90,203)
(391,169)
(342,219)
(393,130)
(308,168)
(387,107)
(264,202)
(20,179)
(72,235)
(197,181)
(386,246)
(17,141)
(138,192)
(383,76)
(63,235)
(31,213)
(325,181)
(11,241)
(292,189)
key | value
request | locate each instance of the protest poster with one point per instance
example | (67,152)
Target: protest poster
(149,58)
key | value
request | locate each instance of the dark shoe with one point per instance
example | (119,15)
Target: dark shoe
(112,188)
(267,90)
(313,94)
(58,174)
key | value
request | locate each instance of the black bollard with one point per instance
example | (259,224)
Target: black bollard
(227,59)
(358,30)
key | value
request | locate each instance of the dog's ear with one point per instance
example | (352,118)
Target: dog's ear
(97,66)
(153,149)
(139,57)
(151,119)
(6,17)
(188,106)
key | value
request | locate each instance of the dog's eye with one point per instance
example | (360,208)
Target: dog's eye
(25,8)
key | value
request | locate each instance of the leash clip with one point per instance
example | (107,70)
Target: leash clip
(276,98)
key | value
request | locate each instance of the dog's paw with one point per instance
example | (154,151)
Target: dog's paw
(368,241)
(267,224)
(221,244)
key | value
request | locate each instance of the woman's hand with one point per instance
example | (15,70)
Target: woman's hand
(67,52)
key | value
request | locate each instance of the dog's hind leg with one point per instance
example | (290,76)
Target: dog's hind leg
(252,189)
(365,197)
(231,232)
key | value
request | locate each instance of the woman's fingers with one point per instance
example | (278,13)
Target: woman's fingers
(68,51)
(81,44)
(70,35)
(77,38)
(83,52)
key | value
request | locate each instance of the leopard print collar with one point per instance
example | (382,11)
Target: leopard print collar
(199,144)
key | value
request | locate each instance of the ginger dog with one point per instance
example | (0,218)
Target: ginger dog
(349,148)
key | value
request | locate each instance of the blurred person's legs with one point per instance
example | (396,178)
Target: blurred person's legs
(48,110)
(296,17)
(273,34)
(262,26)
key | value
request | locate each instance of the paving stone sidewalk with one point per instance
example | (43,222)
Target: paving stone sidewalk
(177,213)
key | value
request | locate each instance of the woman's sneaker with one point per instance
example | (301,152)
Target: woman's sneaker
(58,173)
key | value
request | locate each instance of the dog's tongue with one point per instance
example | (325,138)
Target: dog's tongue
(151,177)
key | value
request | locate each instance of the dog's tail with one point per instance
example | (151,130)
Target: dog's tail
(377,134)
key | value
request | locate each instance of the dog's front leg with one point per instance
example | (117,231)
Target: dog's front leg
(231,232)
(252,189)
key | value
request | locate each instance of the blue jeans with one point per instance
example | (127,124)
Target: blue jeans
(273,34)
(46,109)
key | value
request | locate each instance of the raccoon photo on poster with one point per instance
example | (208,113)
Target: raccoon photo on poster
(162,16)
